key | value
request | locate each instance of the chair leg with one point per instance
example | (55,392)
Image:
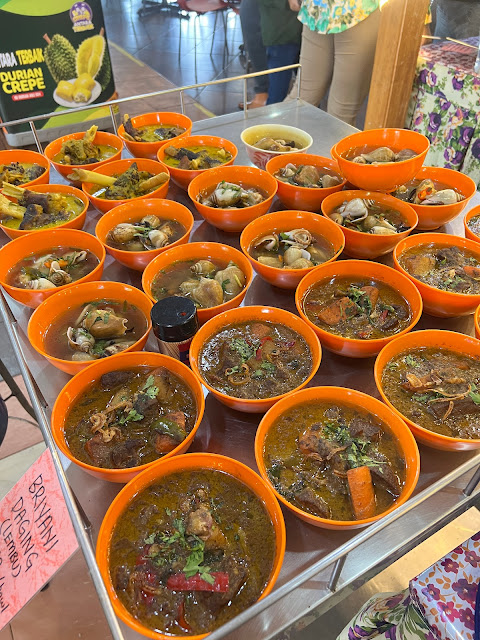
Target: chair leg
(225,33)
(195,40)
(214,31)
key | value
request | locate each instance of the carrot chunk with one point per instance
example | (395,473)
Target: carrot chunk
(332,314)
(362,493)
(473,272)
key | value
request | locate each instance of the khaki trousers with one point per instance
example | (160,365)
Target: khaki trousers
(342,61)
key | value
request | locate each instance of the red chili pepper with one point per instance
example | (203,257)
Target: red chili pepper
(181,617)
(258,354)
(142,558)
(179,582)
(384,314)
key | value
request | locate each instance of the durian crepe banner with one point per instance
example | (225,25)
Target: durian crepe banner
(53,57)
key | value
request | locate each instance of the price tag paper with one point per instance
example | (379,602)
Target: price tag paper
(36,536)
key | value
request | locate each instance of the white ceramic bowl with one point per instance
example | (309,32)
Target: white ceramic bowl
(259,157)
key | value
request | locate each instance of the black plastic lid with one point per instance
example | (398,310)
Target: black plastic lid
(174,319)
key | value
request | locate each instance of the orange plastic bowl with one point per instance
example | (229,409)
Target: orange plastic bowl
(367,245)
(101,137)
(134,212)
(476,320)
(233,220)
(31,157)
(155,473)
(458,342)
(350,347)
(381,177)
(304,198)
(149,149)
(443,304)
(287,221)
(357,401)
(75,296)
(79,384)
(118,167)
(468,232)
(183,177)
(259,157)
(200,251)
(248,314)
(15,251)
(76,223)
(434,216)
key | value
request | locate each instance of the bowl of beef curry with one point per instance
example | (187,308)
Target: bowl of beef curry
(189,544)
(337,458)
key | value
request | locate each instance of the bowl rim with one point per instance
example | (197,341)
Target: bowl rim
(471,213)
(204,460)
(281,127)
(336,155)
(377,374)
(121,126)
(476,319)
(101,259)
(284,154)
(196,180)
(124,253)
(252,402)
(127,288)
(206,245)
(424,238)
(58,432)
(291,272)
(189,137)
(355,398)
(361,264)
(366,192)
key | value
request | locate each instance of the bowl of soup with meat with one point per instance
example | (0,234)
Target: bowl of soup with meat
(305,180)
(34,267)
(135,233)
(230,197)
(126,412)
(215,276)
(445,269)
(471,224)
(88,322)
(381,159)
(201,537)
(145,134)
(24,168)
(336,457)
(189,157)
(356,307)
(437,195)
(431,379)
(266,141)
(372,223)
(250,357)
(284,246)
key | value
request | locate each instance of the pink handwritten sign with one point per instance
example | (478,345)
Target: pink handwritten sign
(36,536)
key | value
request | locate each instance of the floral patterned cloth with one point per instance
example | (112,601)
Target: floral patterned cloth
(445,106)
(334,16)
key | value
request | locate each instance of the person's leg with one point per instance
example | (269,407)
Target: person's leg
(280,55)
(352,69)
(252,39)
(458,19)
(316,58)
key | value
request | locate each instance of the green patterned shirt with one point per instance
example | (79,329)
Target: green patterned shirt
(334,16)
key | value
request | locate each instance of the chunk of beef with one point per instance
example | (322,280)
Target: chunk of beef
(334,413)
(184,163)
(200,522)
(259,330)
(145,514)
(34,198)
(309,499)
(417,384)
(99,451)
(125,454)
(178,417)
(114,379)
(336,484)
(121,577)
(361,427)
(461,407)
(145,405)
(307,176)
(420,265)
(213,602)
(34,217)
(372,294)
(384,472)
(338,310)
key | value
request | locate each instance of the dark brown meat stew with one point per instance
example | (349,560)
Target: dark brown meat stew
(191,552)
(130,417)
(443,267)
(334,462)
(437,389)
(357,308)
(255,360)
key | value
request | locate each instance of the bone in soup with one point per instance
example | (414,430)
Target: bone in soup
(254,360)
(191,552)
(130,417)
(334,462)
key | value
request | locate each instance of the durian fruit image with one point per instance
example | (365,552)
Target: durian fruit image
(60,57)
(93,59)
(65,90)
(82,88)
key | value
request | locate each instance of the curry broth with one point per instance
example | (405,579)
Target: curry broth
(140,548)
(141,427)
(291,472)
(218,155)
(437,389)
(102,152)
(73,207)
(156,132)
